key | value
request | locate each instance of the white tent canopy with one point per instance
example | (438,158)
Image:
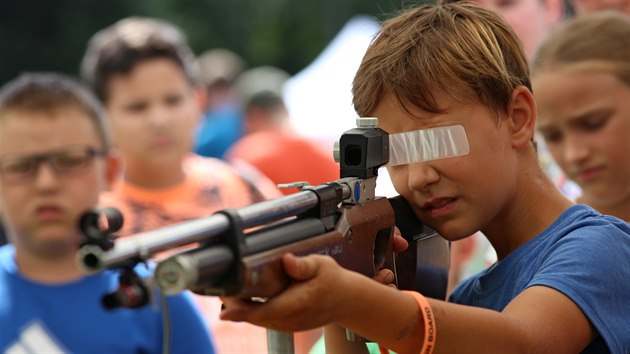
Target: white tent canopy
(319,98)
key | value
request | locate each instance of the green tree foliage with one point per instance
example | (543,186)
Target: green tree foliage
(51,35)
(38,35)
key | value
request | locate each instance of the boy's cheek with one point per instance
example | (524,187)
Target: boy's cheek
(398,175)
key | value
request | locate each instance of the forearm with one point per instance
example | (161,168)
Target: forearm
(540,319)
(383,314)
(395,322)
(393,319)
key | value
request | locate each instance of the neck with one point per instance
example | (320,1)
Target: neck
(155,177)
(47,269)
(621,209)
(537,203)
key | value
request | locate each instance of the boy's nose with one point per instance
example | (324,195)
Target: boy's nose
(421,176)
(45,176)
(159,116)
(575,149)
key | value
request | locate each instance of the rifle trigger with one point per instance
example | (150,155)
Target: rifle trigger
(344,227)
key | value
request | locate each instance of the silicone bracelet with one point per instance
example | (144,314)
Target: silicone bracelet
(430,330)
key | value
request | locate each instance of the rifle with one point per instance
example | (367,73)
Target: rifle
(238,251)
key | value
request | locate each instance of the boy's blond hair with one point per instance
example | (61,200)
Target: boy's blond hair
(600,39)
(50,93)
(460,49)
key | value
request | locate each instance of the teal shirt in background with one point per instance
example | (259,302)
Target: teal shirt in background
(320,347)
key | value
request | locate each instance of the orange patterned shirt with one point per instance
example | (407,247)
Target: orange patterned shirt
(211,185)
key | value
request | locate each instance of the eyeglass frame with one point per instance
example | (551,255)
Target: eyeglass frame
(37,159)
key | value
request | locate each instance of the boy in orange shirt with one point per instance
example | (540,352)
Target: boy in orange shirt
(146,76)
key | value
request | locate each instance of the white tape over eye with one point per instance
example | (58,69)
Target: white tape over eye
(427,144)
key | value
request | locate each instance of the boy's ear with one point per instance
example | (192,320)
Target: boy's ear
(522,116)
(113,168)
(201,96)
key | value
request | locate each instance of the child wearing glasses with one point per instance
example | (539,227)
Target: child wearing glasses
(55,160)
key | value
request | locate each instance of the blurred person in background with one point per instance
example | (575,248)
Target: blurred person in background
(55,160)
(582,7)
(532,20)
(222,123)
(3,235)
(581,79)
(270,142)
(145,74)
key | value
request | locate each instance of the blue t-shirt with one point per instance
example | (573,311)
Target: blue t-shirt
(69,318)
(219,129)
(583,255)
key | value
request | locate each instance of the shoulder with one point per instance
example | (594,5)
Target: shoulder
(588,263)
(583,238)
(201,164)
(213,172)
(581,222)
(236,177)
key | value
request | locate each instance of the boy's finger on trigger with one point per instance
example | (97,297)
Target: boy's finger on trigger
(399,243)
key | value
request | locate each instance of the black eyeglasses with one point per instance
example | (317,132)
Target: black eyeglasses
(15,169)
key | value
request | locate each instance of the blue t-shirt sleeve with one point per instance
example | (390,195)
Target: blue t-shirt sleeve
(591,266)
(189,333)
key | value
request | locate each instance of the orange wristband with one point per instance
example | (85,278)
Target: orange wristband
(430,330)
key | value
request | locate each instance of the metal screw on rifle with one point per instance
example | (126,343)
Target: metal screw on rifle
(336,153)
(299,185)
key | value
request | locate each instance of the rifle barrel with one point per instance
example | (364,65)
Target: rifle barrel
(143,245)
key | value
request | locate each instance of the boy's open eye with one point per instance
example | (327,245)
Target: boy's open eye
(173,99)
(552,135)
(18,166)
(70,160)
(136,107)
(594,122)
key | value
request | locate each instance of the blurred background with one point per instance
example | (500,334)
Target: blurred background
(51,34)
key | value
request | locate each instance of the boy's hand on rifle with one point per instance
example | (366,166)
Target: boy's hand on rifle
(318,285)
(384,275)
(311,300)
(399,242)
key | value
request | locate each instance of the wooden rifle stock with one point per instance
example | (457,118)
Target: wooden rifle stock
(361,241)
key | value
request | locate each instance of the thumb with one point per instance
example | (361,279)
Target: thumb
(300,268)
